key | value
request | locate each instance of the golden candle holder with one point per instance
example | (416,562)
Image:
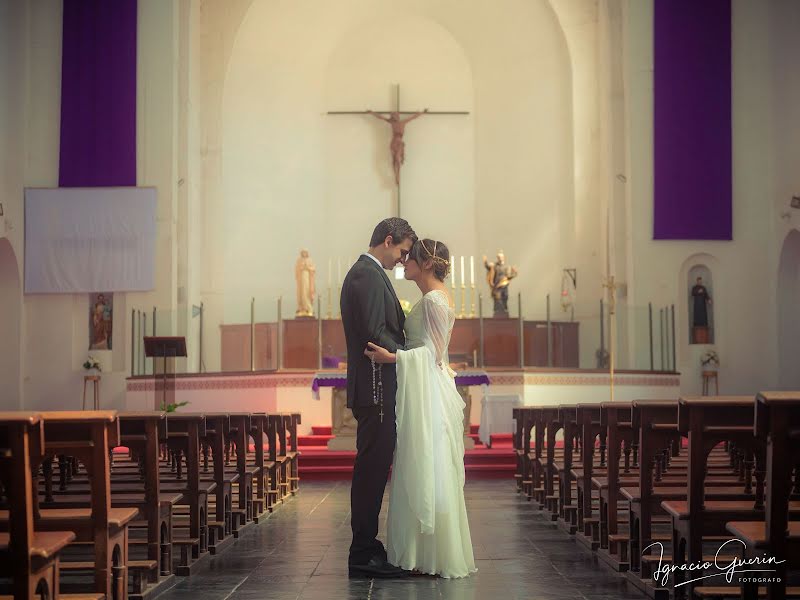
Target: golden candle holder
(463,312)
(330,304)
(472,303)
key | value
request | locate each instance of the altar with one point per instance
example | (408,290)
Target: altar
(344,425)
(292,390)
(320,343)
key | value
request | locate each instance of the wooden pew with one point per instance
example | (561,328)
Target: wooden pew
(142,433)
(32,561)
(568,511)
(134,484)
(655,425)
(708,422)
(280,457)
(246,473)
(292,421)
(538,456)
(274,490)
(89,436)
(551,423)
(258,427)
(528,414)
(615,420)
(777,425)
(185,431)
(517,415)
(588,422)
(215,441)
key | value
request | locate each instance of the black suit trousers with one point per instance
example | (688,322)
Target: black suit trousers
(375,441)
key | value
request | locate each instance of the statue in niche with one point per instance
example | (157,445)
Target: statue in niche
(498,276)
(700,310)
(397,145)
(304,273)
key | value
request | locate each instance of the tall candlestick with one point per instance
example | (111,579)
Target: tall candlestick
(452,276)
(472,307)
(463,281)
(330,272)
(472,270)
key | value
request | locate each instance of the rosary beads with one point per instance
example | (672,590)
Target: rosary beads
(377,386)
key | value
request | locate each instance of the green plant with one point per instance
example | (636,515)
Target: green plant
(91,363)
(173,406)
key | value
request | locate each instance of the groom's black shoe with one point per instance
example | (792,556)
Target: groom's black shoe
(377,568)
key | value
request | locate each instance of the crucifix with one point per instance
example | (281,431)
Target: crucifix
(397,146)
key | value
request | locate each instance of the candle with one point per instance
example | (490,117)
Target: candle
(452,276)
(472,270)
(463,282)
(330,271)
(338,269)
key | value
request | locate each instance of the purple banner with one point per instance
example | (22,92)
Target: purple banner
(692,120)
(98,94)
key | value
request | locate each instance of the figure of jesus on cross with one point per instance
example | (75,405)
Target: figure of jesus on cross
(397,146)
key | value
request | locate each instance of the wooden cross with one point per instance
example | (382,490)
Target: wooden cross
(397,146)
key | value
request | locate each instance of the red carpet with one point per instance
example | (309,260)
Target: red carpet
(318,463)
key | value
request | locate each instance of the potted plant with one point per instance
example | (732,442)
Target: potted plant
(173,406)
(92,365)
(710,360)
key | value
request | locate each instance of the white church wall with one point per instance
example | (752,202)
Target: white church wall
(55,338)
(745,277)
(503,176)
(49,372)
(784,47)
(13,52)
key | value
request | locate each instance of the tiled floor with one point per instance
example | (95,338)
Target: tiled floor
(301,552)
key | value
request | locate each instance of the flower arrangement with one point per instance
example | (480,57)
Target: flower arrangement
(91,364)
(406,306)
(710,359)
(173,406)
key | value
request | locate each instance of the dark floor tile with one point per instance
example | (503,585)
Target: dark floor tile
(300,553)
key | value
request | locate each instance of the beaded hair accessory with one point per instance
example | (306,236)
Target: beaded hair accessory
(433,256)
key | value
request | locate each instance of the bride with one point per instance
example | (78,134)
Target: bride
(427,524)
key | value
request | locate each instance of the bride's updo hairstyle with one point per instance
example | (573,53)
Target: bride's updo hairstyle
(427,249)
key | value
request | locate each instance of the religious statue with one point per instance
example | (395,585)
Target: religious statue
(499,275)
(304,273)
(700,299)
(397,145)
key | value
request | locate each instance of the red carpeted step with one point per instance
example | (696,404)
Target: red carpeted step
(318,463)
(313,440)
(474,429)
(321,430)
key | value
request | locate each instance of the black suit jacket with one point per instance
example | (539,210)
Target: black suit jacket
(370,313)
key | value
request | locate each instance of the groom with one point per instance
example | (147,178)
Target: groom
(372,313)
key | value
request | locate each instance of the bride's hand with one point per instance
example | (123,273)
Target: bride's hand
(378,354)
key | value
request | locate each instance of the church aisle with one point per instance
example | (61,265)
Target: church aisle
(301,552)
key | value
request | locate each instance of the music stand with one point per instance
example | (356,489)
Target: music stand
(164,347)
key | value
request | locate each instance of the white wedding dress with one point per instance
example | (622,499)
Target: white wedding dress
(427,523)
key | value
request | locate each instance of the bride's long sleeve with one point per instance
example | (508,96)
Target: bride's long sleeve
(436,314)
